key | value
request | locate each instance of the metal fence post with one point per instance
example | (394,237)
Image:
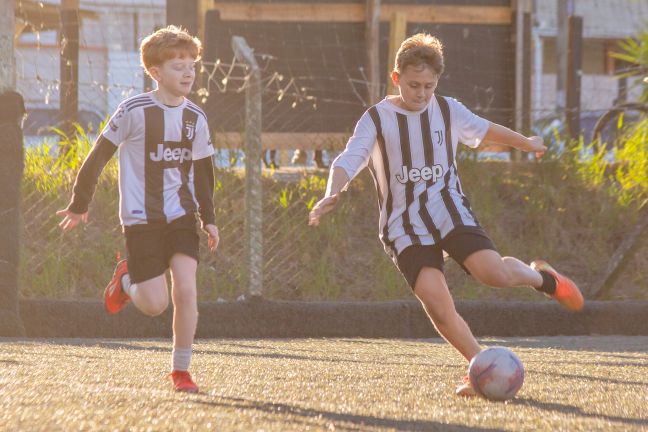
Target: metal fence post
(69,70)
(253,158)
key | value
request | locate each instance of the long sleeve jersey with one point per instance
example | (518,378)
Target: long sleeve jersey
(165,167)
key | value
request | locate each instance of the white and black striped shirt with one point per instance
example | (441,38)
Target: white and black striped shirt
(411,156)
(157,145)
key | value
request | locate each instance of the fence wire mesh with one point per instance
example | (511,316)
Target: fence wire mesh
(314,88)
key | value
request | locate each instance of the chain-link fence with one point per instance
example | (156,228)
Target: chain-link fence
(314,88)
(298,261)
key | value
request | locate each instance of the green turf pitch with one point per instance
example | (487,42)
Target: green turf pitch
(572,383)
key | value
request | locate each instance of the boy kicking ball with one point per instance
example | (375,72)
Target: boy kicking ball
(165,176)
(409,142)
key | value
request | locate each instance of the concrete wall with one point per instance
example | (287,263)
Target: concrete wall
(284,319)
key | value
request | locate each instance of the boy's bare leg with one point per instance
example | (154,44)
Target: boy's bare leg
(183,292)
(432,291)
(489,268)
(185,319)
(150,297)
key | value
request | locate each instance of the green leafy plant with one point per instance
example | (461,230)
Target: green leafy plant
(634,51)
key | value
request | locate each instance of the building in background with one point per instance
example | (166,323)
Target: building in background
(109,66)
(111,30)
(605,23)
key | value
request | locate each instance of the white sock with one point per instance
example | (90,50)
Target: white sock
(181,357)
(127,286)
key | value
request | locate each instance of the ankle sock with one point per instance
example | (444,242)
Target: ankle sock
(181,357)
(127,286)
(548,283)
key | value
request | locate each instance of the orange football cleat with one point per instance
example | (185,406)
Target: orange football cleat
(567,293)
(114,296)
(182,382)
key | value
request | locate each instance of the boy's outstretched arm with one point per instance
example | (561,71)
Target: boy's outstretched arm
(346,166)
(204,183)
(503,135)
(337,182)
(86,183)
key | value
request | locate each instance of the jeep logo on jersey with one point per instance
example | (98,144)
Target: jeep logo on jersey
(170,155)
(189,128)
(417,174)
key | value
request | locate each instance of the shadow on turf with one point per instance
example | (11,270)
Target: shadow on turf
(135,347)
(111,345)
(358,420)
(595,378)
(604,346)
(341,359)
(571,409)
(591,363)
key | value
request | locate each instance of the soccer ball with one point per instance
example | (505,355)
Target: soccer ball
(496,373)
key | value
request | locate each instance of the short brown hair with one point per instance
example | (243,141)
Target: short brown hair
(420,49)
(168,43)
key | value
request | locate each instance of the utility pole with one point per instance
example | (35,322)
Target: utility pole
(69,65)
(565,8)
(522,115)
(372,39)
(574,71)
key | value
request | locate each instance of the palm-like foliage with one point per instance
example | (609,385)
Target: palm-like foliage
(634,50)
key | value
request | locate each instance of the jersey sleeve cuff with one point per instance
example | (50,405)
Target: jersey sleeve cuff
(349,171)
(479,136)
(77,207)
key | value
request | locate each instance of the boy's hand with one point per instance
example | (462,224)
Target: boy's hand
(212,236)
(536,145)
(322,207)
(70,220)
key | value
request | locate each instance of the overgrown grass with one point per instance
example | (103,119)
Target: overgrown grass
(61,265)
(572,209)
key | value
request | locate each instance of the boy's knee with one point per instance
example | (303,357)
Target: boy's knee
(155,307)
(184,294)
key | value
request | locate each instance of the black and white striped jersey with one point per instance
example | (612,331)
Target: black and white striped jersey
(157,145)
(411,156)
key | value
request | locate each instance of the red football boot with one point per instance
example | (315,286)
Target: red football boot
(567,293)
(182,382)
(114,296)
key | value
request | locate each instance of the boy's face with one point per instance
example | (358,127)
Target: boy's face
(176,75)
(416,85)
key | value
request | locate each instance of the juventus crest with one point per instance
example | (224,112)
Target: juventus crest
(189,129)
(438,137)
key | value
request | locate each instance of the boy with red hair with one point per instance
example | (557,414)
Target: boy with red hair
(165,177)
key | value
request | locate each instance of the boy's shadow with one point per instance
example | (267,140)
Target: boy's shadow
(306,416)
(571,409)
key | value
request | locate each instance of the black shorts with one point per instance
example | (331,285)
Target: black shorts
(149,247)
(459,244)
